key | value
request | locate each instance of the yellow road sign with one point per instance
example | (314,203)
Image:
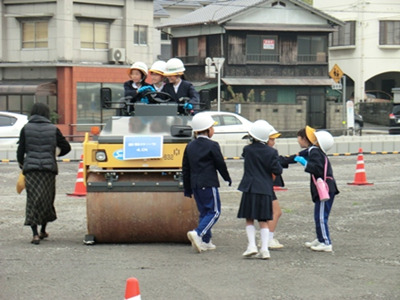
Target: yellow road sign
(336,73)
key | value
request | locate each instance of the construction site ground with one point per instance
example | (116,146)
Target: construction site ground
(364,226)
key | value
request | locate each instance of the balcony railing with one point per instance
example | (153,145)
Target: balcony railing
(320,57)
(262,58)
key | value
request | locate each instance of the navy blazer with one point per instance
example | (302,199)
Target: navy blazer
(315,166)
(186,89)
(260,162)
(201,161)
(130,91)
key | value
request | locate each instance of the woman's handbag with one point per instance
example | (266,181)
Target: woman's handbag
(322,186)
(20,183)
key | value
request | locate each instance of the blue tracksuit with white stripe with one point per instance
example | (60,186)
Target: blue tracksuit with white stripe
(315,166)
(201,161)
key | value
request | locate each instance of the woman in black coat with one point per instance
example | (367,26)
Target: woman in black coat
(40,142)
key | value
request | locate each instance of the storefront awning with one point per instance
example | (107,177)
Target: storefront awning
(27,87)
(206,86)
(279,81)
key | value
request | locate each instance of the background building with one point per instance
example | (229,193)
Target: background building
(367,48)
(62,52)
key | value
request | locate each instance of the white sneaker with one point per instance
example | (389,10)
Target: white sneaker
(195,239)
(274,244)
(322,247)
(250,251)
(208,246)
(311,244)
(263,255)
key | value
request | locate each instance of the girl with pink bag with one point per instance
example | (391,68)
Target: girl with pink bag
(322,183)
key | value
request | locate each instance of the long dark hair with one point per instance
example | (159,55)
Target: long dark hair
(40,109)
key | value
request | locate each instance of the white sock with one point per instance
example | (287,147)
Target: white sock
(264,238)
(251,235)
(271,235)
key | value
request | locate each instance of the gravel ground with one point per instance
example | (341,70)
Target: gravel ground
(364,225)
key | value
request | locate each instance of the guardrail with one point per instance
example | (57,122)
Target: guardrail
(232,149)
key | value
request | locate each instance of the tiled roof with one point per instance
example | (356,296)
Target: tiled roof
(224,9)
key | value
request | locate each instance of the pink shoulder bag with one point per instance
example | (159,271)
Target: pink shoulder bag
(322,186)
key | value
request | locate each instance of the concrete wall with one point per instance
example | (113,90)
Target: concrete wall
(376,113)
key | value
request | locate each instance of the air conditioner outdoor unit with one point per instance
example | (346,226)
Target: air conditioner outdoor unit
(116,55)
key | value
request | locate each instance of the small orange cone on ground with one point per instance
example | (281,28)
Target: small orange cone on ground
(279,188)
(132,291)
(80,188)
(360,177)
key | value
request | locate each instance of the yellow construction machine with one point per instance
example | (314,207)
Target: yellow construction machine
(133,174)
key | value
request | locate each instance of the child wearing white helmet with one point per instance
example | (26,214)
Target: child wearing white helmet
(177,86)
(157,71)
(260,163)
(136,86)
(202,160)
(316,162)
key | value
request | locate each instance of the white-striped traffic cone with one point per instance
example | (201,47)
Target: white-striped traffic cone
(132,291)
(360,178)
(80,188)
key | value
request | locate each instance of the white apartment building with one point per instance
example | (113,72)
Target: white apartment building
(367,49)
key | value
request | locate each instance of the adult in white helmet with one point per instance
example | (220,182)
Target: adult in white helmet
(135,86)
(202,160)
(178,87)
(260,163)
(157,71)
(317,143)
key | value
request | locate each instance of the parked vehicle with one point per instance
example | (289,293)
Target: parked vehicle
(10,126)
(230,126)
(394,119)
(377,96)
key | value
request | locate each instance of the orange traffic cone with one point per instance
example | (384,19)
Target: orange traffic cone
(279,188)
(132,291)
(80,188)
(360,177)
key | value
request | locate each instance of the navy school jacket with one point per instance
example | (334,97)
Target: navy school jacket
(201,161)
(260,162)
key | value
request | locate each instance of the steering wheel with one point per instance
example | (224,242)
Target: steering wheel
(157,97)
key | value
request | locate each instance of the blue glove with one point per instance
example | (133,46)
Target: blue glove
(144,100)
(301,159)
(188,106)
(188,193)
(146,88)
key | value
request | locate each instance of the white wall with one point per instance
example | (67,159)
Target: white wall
(367,59)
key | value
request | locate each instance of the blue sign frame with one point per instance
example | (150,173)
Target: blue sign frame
(143,147)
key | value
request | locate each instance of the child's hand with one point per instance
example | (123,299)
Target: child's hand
(230,182)
(188,193)
(301,160)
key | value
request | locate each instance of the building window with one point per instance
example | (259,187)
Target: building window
(94,35)
(165,52)
(140,35)
(262,48)
(22,104)
(35,34)
(389,33)
(165,36)
(345,36)
(311,49)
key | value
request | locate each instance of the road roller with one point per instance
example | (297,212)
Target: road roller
(133,174)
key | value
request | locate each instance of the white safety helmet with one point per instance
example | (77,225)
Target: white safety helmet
(260,130)
(158,67)
(141,66)
(324,140)
(201,122)
(174,67)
